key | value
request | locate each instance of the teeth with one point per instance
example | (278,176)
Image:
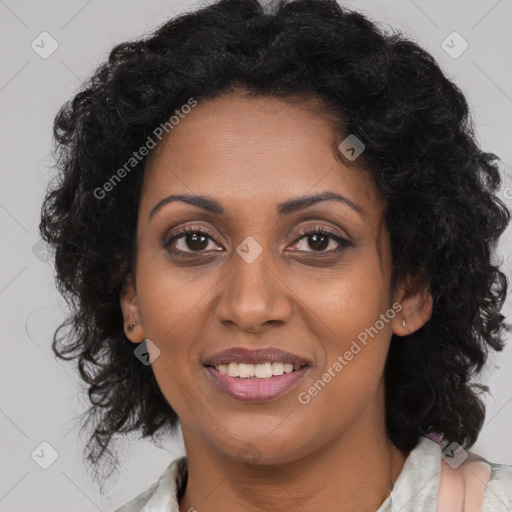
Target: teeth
(245,371)
(263,371)
(260,371)
(277,368)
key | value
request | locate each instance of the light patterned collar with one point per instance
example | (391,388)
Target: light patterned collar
(415,490)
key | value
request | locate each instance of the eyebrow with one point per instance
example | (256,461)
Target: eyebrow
(290,206)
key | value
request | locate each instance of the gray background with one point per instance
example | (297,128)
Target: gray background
(40,396)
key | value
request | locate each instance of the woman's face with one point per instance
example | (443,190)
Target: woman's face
(253,280)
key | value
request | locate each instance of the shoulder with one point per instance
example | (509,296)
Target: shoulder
(498,494)
(476,486)
(162,494)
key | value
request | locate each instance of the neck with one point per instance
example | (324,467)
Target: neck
(355,471)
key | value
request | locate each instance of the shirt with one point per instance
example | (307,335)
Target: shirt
(415,489)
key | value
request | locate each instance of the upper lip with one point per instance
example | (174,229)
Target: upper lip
(256,356)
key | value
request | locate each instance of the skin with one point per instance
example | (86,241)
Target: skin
(250,154)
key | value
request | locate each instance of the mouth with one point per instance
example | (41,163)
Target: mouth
(256,389)
(260,358)
(256,375)
(266,370)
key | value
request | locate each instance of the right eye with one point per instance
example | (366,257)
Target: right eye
(194,240)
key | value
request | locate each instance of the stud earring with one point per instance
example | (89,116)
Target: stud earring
(404,323)
(131,326)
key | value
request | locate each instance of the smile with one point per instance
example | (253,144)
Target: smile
(251,388)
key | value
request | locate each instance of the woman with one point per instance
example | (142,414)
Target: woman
(276,227)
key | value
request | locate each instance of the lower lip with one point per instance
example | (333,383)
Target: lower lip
(257,390)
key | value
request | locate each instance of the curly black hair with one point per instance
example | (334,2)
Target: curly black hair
(442,212)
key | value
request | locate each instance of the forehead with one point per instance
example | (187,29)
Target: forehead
(247,152)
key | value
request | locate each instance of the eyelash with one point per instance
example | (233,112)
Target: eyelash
(303,233)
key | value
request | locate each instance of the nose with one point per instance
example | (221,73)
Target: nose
(253,295)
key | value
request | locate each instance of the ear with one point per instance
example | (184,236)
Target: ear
(416,301)
(131,314)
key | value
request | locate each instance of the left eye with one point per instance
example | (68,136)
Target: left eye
(321,239)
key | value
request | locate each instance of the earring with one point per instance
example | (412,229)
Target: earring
(404,323)
(131,326)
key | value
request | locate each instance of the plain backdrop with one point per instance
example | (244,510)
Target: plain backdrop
(40,397)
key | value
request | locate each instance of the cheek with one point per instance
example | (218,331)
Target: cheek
(171,300)
(351,316)
(346,300)
(172,313)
